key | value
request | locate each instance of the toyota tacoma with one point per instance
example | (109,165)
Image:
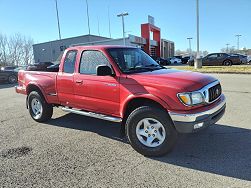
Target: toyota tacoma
(122,84)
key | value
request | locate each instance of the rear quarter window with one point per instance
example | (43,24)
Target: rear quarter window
(69,61)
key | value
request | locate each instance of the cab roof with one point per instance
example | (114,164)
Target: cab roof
(98,47)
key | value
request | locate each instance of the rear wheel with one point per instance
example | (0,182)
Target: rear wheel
(150,131)
(39,109)
(227,63)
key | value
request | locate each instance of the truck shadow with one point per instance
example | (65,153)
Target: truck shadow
(220,149)
(103,128)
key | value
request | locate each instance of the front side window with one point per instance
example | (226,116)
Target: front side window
(133,60)
(90,60)
(69,62)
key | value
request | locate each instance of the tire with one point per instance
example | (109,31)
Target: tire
(37,103)
(149,114)
(12,79)
(227,63)
(191,64)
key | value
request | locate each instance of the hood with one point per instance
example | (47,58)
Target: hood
(173,78)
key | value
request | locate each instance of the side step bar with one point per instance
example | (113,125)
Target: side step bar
(91,114)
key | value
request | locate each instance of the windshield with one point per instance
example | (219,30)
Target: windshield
(133,60)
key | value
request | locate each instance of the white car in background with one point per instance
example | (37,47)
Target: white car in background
(175,60)
(249,59)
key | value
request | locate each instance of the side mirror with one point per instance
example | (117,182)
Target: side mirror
(104,70)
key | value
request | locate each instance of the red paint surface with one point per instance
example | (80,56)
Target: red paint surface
(145,33)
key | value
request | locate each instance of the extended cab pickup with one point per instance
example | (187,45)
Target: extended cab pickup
(124,84)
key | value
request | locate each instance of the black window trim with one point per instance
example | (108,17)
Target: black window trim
(74,50)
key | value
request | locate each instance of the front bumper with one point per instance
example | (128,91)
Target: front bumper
(188,123)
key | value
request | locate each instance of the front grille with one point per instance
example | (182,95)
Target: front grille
(214,92)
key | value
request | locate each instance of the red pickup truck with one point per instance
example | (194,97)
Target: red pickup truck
(124,84)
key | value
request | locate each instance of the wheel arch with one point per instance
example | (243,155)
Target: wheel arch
(134,102)
(34,87)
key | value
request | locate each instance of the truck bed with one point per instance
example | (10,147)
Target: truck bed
(46,81)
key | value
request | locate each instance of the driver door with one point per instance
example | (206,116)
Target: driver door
(96,93)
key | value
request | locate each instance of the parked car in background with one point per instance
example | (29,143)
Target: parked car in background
(161,61)
(175,60)
(185,59)
(243,58)
(218,59)
(9,68)
(53,68)
(23,67)
(249,59)
(9,76)
(41,66)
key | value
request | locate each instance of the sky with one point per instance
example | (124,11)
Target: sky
(220,20)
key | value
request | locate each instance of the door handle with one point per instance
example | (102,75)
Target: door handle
(79,81)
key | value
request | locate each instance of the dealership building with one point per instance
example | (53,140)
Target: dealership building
(150,41)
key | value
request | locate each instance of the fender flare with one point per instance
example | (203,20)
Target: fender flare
(141,96)
(39,87)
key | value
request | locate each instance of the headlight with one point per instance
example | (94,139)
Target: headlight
(191,98)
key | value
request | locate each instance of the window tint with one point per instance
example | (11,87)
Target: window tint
(133,59)
(90,60)
(212,56)
(221,55)
(69,62)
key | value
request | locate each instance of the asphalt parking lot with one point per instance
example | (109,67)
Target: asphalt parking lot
(77,151)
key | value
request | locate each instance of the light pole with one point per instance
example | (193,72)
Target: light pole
(59,33)
(227,46)
(98,26)
(123,24)
(197,62)
(190,48)
(238,41)
(109,22)
(88,18)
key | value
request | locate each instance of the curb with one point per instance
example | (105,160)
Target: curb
(225,72)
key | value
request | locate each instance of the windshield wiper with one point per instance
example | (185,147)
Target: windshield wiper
(151,67)
(139,68)
(154,65)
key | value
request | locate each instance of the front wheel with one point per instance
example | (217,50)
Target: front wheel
(150,131)
(39,109)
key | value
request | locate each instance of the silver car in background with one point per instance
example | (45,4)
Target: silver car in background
(249,59)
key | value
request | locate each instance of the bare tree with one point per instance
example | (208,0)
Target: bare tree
(27,51)
(3,49)
(229,50)
(193,53)
(15,50)
(15,45)
(205,52)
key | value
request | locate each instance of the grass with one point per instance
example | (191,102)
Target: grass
(246,69)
